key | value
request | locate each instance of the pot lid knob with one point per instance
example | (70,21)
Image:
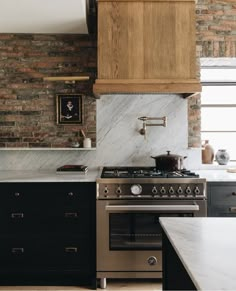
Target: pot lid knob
(168,153)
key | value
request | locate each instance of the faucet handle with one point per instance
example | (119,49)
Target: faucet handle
(143,118)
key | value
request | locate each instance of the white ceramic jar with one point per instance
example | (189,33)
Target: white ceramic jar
(222,157)
(87,142)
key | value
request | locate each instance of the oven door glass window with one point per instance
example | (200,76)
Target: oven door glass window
(137,231)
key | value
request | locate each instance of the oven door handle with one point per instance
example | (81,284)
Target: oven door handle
(129,208)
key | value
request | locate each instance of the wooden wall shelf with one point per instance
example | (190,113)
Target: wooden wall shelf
(67,79)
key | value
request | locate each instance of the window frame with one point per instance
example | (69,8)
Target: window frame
(221,84)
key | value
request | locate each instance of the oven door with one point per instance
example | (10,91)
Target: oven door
(129,236)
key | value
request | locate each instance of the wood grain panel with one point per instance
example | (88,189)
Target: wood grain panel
(120,40)
(193,1)
(146,81)
(108,87)
(136,45)
(186,44)
(146,40)
(159,40)
(171,51)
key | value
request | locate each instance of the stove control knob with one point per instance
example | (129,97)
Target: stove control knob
(118,190)
(171,191)
(136,189)
(196,190)
(106,191)
(154,190)
(152,261)
(180,190)
(163,190)
(188,190)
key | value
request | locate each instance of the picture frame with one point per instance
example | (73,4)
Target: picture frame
(69,108)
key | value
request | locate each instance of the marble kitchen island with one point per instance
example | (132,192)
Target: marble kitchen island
(199,253)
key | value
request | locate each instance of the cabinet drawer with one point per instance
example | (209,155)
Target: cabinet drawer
(223,211)
(223,195)
(20,220)
(36,195)
(58,252)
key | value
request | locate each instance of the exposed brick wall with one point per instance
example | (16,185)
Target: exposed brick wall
(216,37)
(216,26)
(28,104)
(194,121)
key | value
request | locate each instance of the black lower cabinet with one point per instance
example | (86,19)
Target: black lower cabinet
(175,276)
(221,199)
(48,234)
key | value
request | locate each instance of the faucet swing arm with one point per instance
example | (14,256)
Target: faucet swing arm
(144,119)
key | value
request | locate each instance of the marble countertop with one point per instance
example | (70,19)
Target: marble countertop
(48,176)
(216,175)
(207,249)
(93,174)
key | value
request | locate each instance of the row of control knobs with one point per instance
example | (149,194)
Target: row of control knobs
(136,189)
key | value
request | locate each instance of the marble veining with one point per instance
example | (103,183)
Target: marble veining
(119,142)
(206,247)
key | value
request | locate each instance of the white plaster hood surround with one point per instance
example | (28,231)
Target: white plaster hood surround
(43,16)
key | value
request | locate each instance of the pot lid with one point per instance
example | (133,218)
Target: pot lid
(169,155)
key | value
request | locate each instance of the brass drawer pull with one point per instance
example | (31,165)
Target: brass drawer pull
(17,215)
(71,250)
(71,215)
(17,250)
(234,193)
(232,209)
(16,194)
(70,194)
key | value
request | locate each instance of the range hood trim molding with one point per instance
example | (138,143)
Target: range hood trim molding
(185,88)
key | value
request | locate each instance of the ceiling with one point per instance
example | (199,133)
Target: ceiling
(43,16)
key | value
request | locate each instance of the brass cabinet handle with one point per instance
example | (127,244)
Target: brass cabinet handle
(232,209)
(234,193)
(17,215)
(17,250)
(71,250)
(70,214)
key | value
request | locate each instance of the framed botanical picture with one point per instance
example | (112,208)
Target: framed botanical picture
(69,109)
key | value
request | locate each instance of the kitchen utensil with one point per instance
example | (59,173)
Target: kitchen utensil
(83,134)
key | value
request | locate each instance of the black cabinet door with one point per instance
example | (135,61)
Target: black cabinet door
(221,199)
(55,252)
(48,230)
(46,207)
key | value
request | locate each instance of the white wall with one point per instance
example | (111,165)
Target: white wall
(43,16)
(118,139)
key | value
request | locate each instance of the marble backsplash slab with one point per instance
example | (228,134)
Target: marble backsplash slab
(119,142)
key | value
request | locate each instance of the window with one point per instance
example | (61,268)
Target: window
(218,109)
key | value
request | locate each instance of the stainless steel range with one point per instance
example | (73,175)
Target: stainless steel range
(130,201)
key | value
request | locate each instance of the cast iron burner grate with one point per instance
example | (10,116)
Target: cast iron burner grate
(144,172)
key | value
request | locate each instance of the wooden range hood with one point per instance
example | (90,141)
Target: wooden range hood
(147,46)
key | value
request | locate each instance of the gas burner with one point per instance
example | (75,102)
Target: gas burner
(144,172)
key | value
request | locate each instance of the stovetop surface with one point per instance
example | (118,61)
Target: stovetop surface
(144,172)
